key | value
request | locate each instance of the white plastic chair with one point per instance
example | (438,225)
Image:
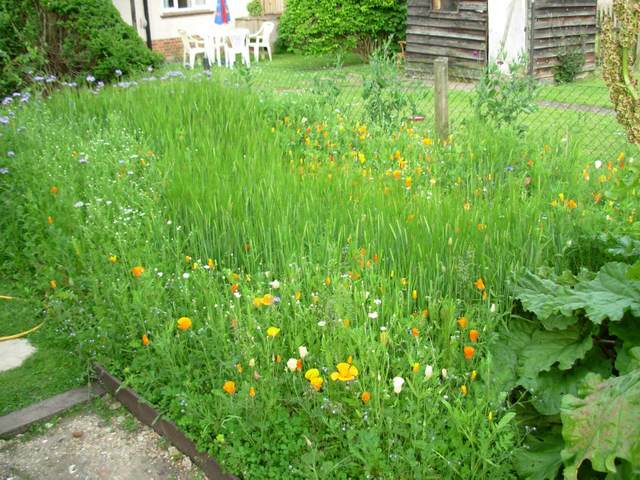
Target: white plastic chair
(215,44)
(237,45)
(191,47)
(261,39)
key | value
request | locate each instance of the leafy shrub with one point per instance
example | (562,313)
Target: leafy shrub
(502,98)
(67,38)
(578,358)
(323,26)
(385,103)
(571,62)
(254,7)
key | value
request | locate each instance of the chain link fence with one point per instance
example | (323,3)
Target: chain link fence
(577,114)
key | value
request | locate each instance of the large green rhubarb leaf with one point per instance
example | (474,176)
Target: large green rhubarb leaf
(548,388)
(541,459)
(609,295)
(548,348)
(602,425)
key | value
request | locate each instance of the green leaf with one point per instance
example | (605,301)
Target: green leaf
(548,388)
(609,295)
(634,271)
(541,459)
(627,360)
(602,425)
(547,348)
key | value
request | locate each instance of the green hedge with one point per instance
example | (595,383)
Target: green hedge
(66,38)
(325,26)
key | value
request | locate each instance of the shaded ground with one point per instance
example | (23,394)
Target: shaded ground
(55,367)
(94,445)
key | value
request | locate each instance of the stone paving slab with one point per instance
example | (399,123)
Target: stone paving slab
(14,352)
(19,421)
(88,447)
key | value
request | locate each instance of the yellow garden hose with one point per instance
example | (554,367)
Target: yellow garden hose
(17,335)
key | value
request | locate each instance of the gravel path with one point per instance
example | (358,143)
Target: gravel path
(88,447)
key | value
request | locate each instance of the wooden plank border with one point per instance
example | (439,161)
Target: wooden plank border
(148,415)
(20,420)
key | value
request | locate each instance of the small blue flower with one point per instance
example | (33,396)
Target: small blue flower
(118,72)
(510,168)
(4,170)
(11,154)
(91,78)
(7,100)
(4,120)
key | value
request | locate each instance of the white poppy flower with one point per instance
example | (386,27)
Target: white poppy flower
(302,350)
(428,371)
(398,382)
(292,364)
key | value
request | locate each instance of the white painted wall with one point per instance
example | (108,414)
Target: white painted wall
(167,26)
(507,30)
(605,5)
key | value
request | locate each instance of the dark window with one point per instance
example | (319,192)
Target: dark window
(444,5)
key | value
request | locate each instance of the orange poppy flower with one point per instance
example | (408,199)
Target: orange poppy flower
(53,284)
(252,392)
(365,397)
(50,220)
(479,284)
(145,340)
(53,189)
(473,335)
(463,322)
(234,288)
(184,323)
(229,387)
(137,271)
(469,352)
(415,332)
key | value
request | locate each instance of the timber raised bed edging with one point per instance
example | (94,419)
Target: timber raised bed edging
(148,415)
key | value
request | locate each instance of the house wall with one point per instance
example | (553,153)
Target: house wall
(461,36)
(165,25)
(507,30)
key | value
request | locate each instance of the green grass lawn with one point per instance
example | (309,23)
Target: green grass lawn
(293,277)
(53,369)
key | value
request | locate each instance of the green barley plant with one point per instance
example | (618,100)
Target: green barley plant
(305,296)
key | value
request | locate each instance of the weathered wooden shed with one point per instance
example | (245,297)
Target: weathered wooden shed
(471,32)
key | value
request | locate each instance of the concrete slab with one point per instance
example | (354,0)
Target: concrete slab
(14,352)
(87,447)
(19,421)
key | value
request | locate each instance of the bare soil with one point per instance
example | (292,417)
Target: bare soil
(90,447)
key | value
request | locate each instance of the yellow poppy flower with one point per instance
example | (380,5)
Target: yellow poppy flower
(316,383)
(273,331)
(311,373)
(345,372)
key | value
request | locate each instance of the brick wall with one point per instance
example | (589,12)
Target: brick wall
(170,48)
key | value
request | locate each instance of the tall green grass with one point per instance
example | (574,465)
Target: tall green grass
(180,172)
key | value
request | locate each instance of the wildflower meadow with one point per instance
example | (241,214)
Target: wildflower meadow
(307,292)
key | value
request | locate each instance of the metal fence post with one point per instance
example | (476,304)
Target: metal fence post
(441,68)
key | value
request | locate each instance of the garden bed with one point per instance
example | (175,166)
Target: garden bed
(305,291)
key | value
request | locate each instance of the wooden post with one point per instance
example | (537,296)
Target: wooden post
(441,67)
(638,54)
